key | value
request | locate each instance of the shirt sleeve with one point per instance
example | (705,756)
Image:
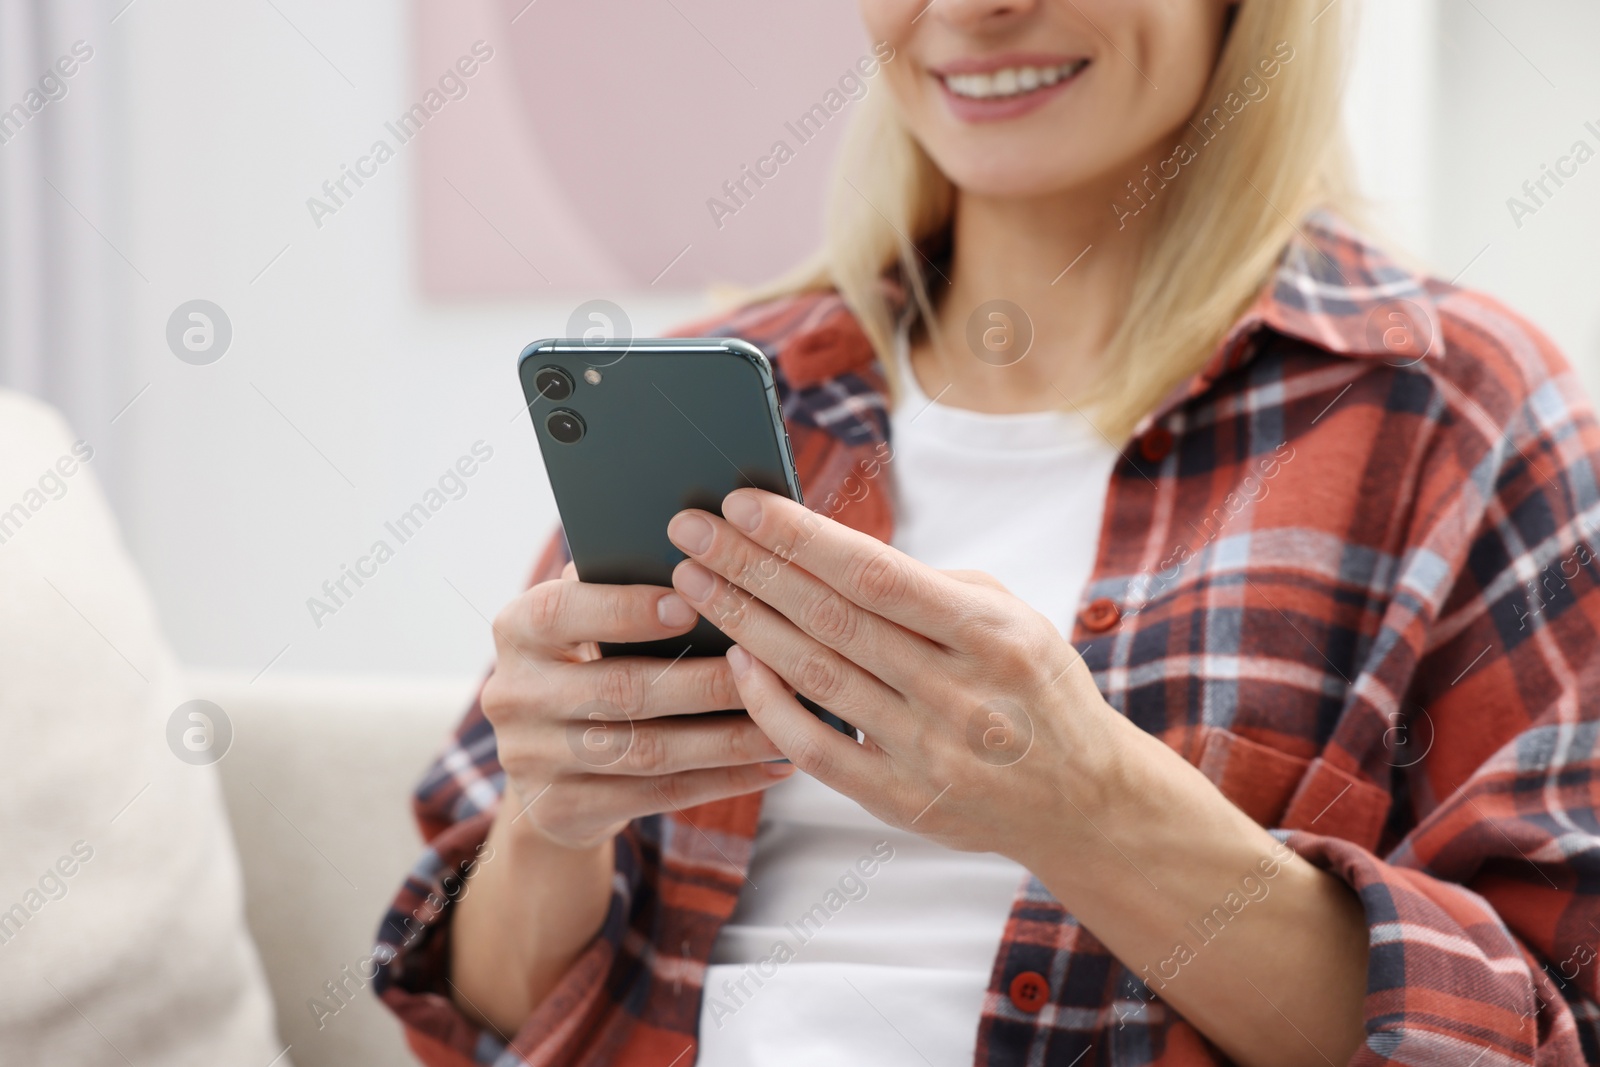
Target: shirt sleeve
(454,804)
(1484,916)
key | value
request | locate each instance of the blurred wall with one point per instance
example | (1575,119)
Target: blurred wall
(1518,86)
(344,396)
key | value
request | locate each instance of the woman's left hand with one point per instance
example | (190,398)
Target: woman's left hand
(982,724)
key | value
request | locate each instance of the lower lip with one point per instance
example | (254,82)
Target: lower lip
(967,109)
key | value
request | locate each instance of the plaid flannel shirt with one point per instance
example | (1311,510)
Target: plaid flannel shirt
(1345,570)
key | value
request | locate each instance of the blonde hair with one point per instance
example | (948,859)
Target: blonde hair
(1208,250)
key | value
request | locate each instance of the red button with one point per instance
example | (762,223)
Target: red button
(1155,444)
(1030,991)
(1101,615)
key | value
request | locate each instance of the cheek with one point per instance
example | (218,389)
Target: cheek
(1184,46)
(1157,60)
(888,20)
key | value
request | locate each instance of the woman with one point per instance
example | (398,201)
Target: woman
(1216,610)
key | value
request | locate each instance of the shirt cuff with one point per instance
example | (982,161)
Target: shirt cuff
(1446,979)
(413,979)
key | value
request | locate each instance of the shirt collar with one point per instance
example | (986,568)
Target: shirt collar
(1338,292)
(1331,289)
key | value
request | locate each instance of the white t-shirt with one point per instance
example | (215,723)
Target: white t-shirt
(853,942)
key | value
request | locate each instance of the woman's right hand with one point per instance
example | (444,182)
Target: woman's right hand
(589,744)
(538,897)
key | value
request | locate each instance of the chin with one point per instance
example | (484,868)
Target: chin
(1020,174)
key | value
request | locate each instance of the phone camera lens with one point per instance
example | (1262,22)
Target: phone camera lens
(553,383)
(565,426)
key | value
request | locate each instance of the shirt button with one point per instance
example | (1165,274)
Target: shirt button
(1100,615)
(1030,991)
(1155,444)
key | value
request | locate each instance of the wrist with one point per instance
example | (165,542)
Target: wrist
(532,907)
(1108,802)
(1131,819)
(529,853)
(1080,766)
(523,823)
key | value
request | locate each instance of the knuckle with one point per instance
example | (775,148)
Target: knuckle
(1024,647)
(732,781)
(820,676)
(544,606)
(623,686)
(648,751)
(674,788)
(880,578)
(745,572)
(494,699)
(766,568)
(623,611)
(523,759)
(508,620)
(795,536)
(976,623)
(809,756)
(739,745)
(746,744)
(971,628)
(830,618)
(727,610)
(719,688)
(503,701)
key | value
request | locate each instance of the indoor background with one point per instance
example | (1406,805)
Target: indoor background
(179,166)
(364,334)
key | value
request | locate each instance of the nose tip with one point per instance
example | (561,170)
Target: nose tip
(977,14)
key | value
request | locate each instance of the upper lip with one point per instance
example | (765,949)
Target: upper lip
(990,64)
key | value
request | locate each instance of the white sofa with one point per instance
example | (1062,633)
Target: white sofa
(165,897)
(318,784)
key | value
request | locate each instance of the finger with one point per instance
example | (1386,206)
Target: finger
(979,578)
(815,607)
(562,614)
(584,650)
(648,687)
(811,745)
(870,573)
(674,792)
(599,800)
(812,668)
(604,745)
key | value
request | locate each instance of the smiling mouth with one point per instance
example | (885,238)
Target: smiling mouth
(1010,82)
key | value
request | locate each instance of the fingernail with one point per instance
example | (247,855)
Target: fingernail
(778,768)
(739,660)
(674,611)
(694,581)
(742,510)
(692,533)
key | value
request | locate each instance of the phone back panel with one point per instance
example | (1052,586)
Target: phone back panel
(670,424)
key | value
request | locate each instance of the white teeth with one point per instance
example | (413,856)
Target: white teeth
(1010,81)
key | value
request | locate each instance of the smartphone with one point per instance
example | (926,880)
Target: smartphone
(632,432)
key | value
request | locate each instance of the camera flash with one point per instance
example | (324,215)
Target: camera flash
(591,376)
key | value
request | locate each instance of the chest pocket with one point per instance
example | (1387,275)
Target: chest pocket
(1281,791)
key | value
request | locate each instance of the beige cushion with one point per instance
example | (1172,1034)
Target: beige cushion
(122,935)
(319,788)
